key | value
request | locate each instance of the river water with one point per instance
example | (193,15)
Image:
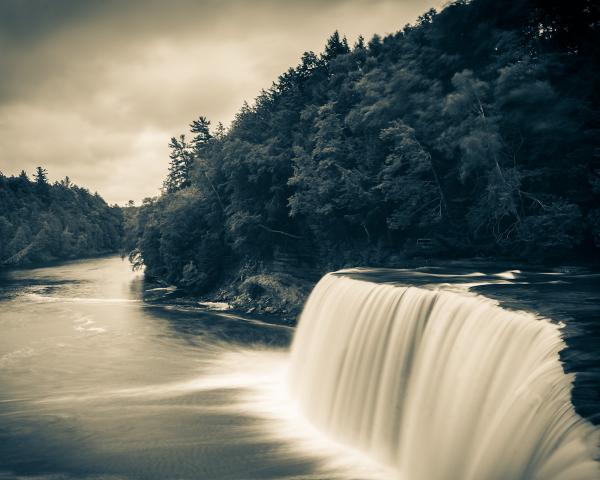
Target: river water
(95,382)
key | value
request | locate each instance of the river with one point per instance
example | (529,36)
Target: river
(95,382)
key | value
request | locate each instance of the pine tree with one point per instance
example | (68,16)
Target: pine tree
(202,136)
(360,43)
(41,176)
(220,131)
(335,46)
(200,143)
(180,166)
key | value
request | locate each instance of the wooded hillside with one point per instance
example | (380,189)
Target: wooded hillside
(40,221)
(475,129)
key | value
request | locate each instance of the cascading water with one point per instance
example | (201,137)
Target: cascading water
(439,385)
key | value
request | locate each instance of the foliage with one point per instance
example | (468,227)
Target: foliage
(476,127)
(40,221)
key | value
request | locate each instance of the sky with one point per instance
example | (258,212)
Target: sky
(95,89)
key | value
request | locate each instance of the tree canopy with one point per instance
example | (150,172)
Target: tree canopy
(40,221)
(476,127)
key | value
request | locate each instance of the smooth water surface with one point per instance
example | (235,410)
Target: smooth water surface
(96,383)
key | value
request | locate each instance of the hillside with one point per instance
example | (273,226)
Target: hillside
(473,132)
(41,222)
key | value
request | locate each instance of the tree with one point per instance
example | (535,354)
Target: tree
(476,133)
(409,182)
(40,221)
(329,191)
(202,136)
(220,131)
(360,43)
(485,140)
(40,176)
(180,166)
(335,46)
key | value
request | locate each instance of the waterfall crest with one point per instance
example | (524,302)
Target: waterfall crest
(439,385)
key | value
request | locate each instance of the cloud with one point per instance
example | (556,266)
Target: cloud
(94,90)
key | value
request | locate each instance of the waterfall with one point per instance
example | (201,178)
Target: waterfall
(439,385)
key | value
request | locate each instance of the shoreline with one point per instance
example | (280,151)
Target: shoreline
(282,296)
(57,261)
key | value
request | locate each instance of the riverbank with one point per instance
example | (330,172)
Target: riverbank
(279,297)
(51,261)
(272,292)
(96,383)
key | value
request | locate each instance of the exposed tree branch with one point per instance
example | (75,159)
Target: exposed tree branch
(280,232)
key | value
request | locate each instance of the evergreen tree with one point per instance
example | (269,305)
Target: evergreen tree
(476,126)
(335,47)
(202,136)
(41,222)
(180,167)
(40,176)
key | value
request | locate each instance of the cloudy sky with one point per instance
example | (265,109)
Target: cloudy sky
(95,89)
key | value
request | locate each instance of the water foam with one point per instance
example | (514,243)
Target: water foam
(439,385)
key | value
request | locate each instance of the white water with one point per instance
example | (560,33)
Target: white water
(439,385)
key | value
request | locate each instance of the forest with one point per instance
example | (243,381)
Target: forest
(472,132)
(42,222)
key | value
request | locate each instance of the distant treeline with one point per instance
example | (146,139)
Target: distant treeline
(474,131)
(40,222)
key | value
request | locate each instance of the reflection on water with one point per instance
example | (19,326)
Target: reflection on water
(94,381)
(97,383)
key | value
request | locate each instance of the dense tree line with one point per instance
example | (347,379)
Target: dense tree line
(40,221)
(476,128)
